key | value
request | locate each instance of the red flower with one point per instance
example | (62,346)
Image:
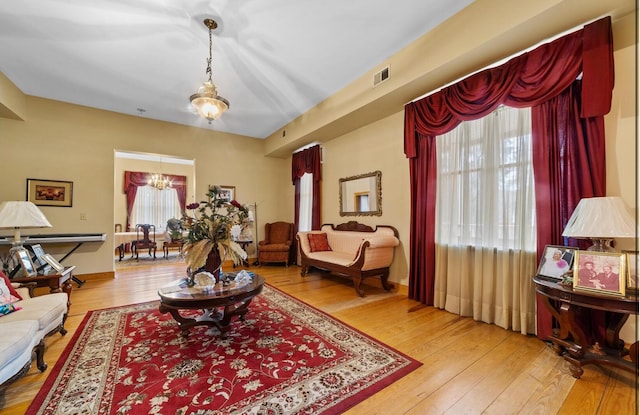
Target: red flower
(236,204)
(193,205)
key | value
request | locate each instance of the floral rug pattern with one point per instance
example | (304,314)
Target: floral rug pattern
(285,358)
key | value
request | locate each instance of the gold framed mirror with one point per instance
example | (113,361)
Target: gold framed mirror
(361,195)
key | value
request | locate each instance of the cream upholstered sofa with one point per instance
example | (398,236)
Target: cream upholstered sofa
(23,331)
(351,249)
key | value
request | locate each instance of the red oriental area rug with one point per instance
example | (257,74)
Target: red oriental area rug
(285,358)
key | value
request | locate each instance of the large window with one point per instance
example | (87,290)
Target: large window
(485,220)
(485,183)
(306,202)
(155,206)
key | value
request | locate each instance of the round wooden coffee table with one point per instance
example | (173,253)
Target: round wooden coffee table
(218,305)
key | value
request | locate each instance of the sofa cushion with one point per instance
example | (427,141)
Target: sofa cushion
(16,349)
(275,248)
(318,242)
(47,310)
(8,294)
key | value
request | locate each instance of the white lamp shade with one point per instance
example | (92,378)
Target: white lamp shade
(21,214)
(600,217)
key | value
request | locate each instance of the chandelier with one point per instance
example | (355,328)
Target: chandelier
(160,182)
(206,100)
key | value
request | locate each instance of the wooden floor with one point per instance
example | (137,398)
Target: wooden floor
(468,367)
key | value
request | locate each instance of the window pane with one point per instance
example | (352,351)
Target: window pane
(306,202)
(485,183)
(155,206)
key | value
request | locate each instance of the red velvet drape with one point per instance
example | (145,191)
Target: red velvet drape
(569,164)
(133,179)
(528,80)
(306,161)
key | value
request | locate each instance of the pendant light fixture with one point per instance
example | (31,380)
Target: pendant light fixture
(206,100)
(160,181)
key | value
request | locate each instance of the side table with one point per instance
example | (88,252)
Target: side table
(56,281)
(578,338)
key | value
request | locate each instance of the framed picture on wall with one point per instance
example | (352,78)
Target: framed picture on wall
(556,261)
(50,192)
(227,193)
(602,272)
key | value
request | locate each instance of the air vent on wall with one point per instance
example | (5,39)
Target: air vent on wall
(381,76)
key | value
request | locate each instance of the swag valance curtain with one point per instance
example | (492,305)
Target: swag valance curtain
(524,81)
(567,132)
(133,179)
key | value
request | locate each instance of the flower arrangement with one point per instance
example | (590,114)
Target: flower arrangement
(209,227)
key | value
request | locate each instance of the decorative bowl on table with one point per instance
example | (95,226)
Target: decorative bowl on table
(204,281)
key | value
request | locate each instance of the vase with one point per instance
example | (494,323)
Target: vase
(214,263)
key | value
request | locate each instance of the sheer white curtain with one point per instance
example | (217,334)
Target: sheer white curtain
(485,216)
(306,202)
(155,207)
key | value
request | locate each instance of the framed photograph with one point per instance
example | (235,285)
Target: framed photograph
(39,261)
(602,272)
(228,193)
(53,262)
(556,261)
(632,270)
(50,192)
(22,258)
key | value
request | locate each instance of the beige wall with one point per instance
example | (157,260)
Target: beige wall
(378,146)
(67,142)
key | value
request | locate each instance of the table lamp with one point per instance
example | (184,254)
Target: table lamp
(19,215)
(600,219)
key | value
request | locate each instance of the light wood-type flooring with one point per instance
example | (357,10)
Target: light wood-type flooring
(468,367)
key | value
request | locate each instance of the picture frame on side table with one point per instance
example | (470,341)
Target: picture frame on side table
(227,193)
(50,192)
(53,262)
(556,261)
(600,272)
(632,271)
(41,265)
(23,260)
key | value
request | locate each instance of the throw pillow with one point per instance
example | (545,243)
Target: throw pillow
(8,294)
(8,308)
(318,242)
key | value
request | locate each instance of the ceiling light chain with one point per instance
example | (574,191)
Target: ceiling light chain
(206,101)
(209,72)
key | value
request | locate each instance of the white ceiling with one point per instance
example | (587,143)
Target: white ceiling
(272,59)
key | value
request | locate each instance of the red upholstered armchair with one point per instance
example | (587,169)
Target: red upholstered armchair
(276,246)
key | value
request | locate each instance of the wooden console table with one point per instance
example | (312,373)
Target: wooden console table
(578,337)
(56,281)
